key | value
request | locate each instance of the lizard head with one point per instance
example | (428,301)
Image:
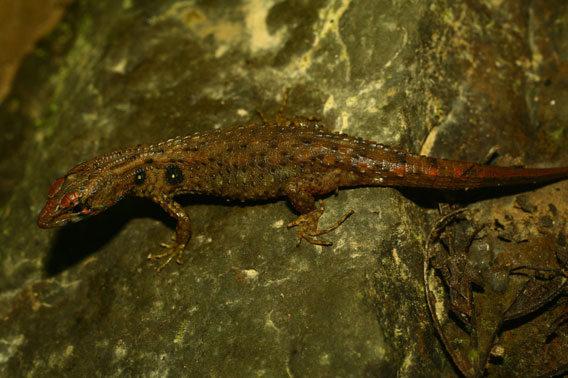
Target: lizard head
(72,198)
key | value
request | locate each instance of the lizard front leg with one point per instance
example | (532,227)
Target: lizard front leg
(307,223)
(183,231)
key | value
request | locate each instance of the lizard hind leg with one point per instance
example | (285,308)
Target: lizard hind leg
(307,223)
(280,119)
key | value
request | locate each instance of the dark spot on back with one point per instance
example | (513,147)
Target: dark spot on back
(140,176)
(174,175)
(432,162)
(401,157)
(149,161)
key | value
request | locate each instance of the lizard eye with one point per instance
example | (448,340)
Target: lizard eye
(78,208)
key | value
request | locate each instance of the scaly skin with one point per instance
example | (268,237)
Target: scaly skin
(298,159)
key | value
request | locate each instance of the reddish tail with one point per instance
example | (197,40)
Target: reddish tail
(409,170)
(448,174)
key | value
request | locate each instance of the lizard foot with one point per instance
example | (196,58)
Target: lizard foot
(308,225)
(173,250)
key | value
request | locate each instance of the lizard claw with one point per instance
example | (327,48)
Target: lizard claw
(308,226)
(174,250)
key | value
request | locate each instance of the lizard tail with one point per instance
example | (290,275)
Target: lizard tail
(426,172)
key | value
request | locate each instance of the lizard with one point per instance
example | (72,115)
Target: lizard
(297,158)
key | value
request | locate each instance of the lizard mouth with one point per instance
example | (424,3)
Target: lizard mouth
(54,216)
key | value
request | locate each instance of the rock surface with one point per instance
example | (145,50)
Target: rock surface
(448,79)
